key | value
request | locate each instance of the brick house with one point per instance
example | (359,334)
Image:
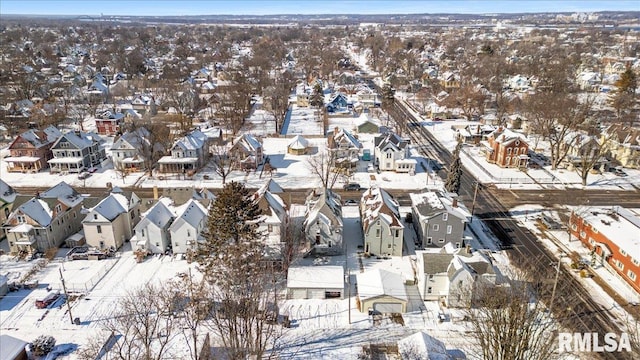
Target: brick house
(109,123)
(612,235)
(31,150)
(507,149)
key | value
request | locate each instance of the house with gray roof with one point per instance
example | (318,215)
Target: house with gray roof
(7,197)
(323,222)
(345,147)
(381,223)
(110,223)
(188,154)
(39,223)
(128,151)
(451,275)
(76,151)
(391,153)
(439,218)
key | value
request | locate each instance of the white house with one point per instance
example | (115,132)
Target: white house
(450,275)
(381,291)
(186,230)
(391,153)
(151,233)
(323,222)
(381,224)
(110,223)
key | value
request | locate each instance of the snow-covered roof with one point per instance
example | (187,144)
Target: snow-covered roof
(192,212)
(378,282)
(39,138)
(159,214)
(617,224)
(38,210)
(432,203)
(110,207)
(328,277)
(298,143)
(192,141)
(423,346)
(7,193)
(64,193)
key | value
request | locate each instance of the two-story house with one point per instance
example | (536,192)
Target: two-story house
(109,123)
(450,275)
(438,218)
(391,153)
(188,154)
(247,151)
(323,222)
(7,197)
(39,223)
(76,151)
(110,223)
(612,234)
(507,149)
(623,145)
(381,223)
(582,148)
(345,147)
(185,232)
(152,231)
(30,151)
(128,151)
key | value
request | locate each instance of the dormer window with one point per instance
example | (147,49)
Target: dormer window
(21,219)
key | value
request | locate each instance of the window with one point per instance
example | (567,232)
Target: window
(388,155)
(591,241)
(636,262)
(329,243)
(430,276)
(436,227)
(509,151)
(99,229)
(429,240)
(397,233)
(631,275)
(101,244)
(389,246)
(58,208)
(441,240)
(142,232)
(21,219)
(583,234)
(429,290)
(270,228)
(158,244)
(574,227)
(623,253)
(619,264)
(188,233)
(95,216)
(457,245)
(449,228)
(445,216)
(377,232)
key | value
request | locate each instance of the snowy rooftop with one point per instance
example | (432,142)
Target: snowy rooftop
(316,277)
(618,224)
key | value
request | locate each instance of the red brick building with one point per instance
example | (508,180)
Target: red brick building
(507,149)
(109,123)
(31,150)
(613,233)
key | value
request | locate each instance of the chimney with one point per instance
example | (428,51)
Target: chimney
(37,194)
(336,130)
(454,202)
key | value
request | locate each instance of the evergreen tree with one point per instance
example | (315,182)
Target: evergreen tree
(455,171)
(628,82)
(232,225)
(317,96)
(388,95)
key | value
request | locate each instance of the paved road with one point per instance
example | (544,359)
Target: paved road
(579,311)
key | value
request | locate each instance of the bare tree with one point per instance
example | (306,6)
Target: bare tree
(142,325)
(223,161)
(591,151)
(508,323)
(277,96)
(325,166)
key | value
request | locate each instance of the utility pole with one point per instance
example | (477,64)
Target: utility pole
(473,205)
(349,284)
(555,284)
(66,297)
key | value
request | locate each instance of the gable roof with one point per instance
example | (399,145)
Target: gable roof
(379,282)
(378,204)
(192,212)
(39,138)
(64,193)
(159,214)
(111,206)
(431,203)
(390,139)
(7,193)
(79,139)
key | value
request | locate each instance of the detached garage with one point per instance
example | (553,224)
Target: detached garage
(315,282)
(381,291)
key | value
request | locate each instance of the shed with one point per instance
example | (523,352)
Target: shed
(423,346)
(298,146)
(368,127)
(315,282)
(381,291)
(12,348)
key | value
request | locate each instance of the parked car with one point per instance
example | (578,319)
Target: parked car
(44,302)
(351,202)
(352,187)
(83,175)
(92,169)
(618,171)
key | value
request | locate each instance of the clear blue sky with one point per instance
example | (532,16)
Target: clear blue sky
(257,7)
